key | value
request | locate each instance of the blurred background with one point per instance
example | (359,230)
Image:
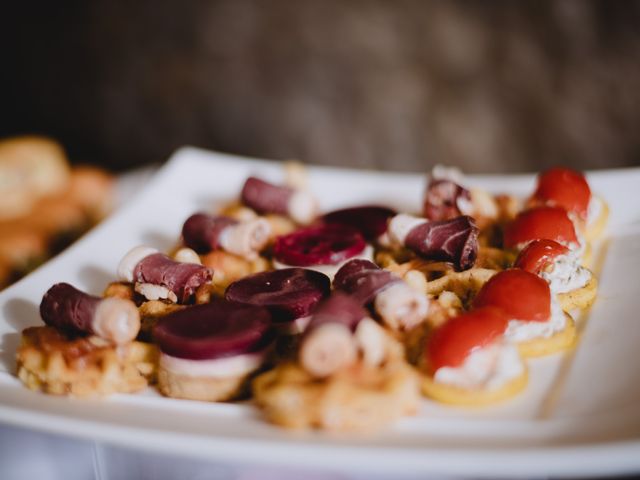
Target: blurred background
(489,86)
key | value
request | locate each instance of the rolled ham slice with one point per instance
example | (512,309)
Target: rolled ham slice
(397,304)
(454,240)
(157,276)
(265,197)
(203,233)
(445,199)
(67,308)
(328,343)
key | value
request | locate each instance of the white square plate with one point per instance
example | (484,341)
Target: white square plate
(578,416)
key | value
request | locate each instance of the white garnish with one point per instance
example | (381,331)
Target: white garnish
(302,207)
(116,319)
(246,239)
(128,263)
(152,291)
(400,306)
(226,367)
(187,255)
(370,339)
(401,225)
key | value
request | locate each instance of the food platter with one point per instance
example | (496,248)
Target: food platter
(578,416)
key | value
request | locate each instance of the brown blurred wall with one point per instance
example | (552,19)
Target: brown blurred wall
(489,86)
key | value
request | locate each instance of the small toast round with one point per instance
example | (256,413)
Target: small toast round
(596,228)
(454,395)
(55,363)
(209,389)
(580,298)
(356,398)
(558,342)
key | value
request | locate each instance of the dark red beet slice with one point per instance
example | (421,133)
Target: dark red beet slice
(320,245)
(67,308)
(363,280)
(201,231)
(289,293)
(338,308)
(183,279)
(371,221)
(453,241)
(264,197)
(441,200)
(214,330)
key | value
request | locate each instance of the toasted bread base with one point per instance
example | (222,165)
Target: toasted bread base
(580,298)
(208,389)
(453,395)
(560,341)
(357,398)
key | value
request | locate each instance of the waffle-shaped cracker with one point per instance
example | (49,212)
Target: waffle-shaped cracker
(454,395)
(53,362)
(558,342)
(580,298)
(356,398)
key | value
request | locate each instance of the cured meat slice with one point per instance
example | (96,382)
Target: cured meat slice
(454,240)
(65,307)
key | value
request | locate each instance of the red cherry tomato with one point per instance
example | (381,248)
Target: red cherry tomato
(450,344)
(564,188)
(536,256)
(520,294)
(549,223)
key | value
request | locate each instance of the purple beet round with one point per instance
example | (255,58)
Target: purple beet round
(319,245)
(214,330)
(289,293)
(370,220)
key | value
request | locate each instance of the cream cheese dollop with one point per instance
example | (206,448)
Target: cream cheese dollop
(525,330)
(567,274)
(486,368)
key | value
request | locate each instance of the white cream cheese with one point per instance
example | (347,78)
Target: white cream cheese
(524,330)
(567,274)
(329,270)
(226,367)
(487,368)
(401,225)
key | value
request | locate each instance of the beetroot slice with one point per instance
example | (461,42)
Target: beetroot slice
(319,245)
(289,293)
(214,330)
(370,220)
